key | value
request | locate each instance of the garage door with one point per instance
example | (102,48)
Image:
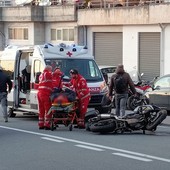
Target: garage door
(108,48)
(149,54)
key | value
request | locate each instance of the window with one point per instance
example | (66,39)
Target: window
(38,67)
(18,33)
(53,34)
(58,34)
(87,68)
(66,34)
(163,82)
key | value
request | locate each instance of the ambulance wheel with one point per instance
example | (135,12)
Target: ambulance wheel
(70,127)
(11,113)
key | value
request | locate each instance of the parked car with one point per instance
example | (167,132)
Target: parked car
(107,71)
(159,94)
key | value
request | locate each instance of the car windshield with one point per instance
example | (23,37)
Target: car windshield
(135,76)
(163,82)
(86,67)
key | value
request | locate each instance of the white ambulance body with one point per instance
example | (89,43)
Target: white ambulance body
(23,96)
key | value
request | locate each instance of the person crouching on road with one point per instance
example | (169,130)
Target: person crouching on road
(57,78)
(79,84)
(44,103)
(4,81)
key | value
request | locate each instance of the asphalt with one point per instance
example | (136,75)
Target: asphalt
(166,121)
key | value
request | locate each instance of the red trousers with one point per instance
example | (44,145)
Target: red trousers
(44,104)
(83,105)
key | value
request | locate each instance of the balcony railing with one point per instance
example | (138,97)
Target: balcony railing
(82,4)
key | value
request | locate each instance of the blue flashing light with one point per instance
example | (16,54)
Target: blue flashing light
(45,46)
(74,49)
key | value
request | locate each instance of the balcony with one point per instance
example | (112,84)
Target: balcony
(102,13)
(31,13)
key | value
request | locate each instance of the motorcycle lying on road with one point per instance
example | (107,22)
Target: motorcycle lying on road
(146,117)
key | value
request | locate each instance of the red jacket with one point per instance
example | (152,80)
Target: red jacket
(57,80)
(45,82)
(80,86)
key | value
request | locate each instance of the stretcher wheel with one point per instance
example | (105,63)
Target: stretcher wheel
(52,126)
(70,127)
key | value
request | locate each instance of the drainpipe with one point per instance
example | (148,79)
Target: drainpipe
(3,39)
(85,35)
(162,48)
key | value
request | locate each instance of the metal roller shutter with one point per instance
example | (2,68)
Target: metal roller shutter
(108,48)
(149,54)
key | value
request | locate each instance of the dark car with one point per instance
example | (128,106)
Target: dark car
(160,92)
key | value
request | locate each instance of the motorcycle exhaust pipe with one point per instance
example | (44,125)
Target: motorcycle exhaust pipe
(105,116)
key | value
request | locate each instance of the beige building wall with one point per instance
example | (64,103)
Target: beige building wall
(39,33)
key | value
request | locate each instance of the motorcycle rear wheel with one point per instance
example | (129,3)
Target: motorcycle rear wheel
(159,117)
(103,126)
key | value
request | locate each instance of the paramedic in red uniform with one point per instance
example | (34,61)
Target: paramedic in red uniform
(79,84)
(57,78)
(44,102)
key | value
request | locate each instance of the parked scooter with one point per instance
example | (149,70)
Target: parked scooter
(146,117)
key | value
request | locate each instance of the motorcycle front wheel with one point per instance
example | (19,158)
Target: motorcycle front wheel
(103,126)
(156,119)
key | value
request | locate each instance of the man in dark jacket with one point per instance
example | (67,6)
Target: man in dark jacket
(5,88)
(120,82)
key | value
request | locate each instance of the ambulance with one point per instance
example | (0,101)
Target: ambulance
(24,63)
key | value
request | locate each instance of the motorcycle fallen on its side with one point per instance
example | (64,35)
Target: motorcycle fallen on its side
(146,117)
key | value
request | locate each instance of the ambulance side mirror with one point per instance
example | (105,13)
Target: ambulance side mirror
(37,77)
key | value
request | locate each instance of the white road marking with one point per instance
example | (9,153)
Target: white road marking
(90,144)
(52,139)
(166,127)
(89,147)
(133,157)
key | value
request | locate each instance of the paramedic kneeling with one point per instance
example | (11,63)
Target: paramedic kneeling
(44,102)
(79,84)
(4,81)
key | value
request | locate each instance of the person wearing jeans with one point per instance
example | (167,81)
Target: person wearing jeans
(121,82)
(5,88)
(120,102)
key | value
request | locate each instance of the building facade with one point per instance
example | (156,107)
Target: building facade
(137,36)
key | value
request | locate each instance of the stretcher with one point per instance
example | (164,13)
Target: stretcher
(63,112)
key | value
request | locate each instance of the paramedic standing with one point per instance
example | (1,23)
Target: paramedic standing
(120,82)
(57,78)
(44,102)
(79,84)
(5,88)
